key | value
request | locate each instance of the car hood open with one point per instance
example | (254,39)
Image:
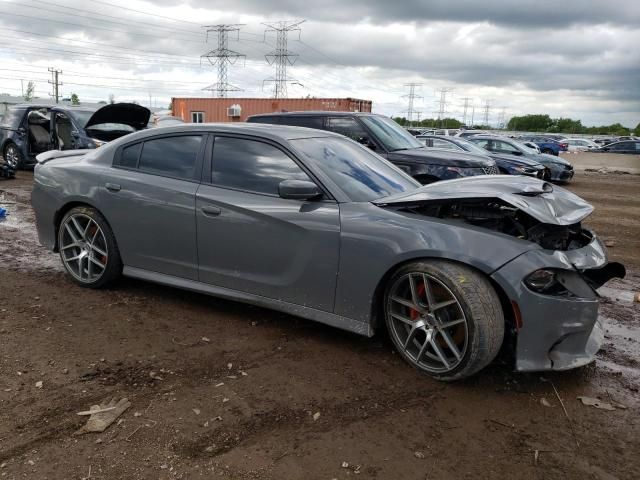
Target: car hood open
(136,116)
(541,200)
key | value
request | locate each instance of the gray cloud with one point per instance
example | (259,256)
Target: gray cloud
(565,58)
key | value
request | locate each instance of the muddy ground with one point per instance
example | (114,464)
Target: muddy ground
(223,390)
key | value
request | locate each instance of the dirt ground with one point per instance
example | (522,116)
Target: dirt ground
(223,390)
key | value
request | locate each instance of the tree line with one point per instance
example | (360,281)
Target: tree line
(544,123)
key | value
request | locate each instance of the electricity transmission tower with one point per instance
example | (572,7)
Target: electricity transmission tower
(56,83)
(281,57)
(501,117)
(466,108)
(412,97)
(442,103)
(486,109)
(222,57)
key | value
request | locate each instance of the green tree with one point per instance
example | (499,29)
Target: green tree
(28,94)
(534,123)
(636,132)
(74,99)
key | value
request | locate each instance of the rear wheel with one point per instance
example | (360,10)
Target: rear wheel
(88,248)
(13,157)
(444,318)
(548,151)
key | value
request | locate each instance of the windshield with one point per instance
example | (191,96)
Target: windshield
(81,117)
(358,172)
(390,134)
(471,147)
(522,147)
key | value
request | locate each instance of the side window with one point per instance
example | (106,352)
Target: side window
(270,120)
(444,144)
(349,127)
(250,165)
(303,121)
(622,146)
(197,117)
(483,143)
(637,146)
(171,156)
(129,156)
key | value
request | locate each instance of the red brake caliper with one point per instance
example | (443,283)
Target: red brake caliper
(413,313)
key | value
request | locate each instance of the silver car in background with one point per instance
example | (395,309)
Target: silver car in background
(316,225)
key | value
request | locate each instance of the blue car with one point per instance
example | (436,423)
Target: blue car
(547,145)
(507,164)
(29,129)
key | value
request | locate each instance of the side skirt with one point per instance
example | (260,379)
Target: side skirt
(327,318)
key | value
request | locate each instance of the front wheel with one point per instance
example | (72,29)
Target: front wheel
(444,318)
(88,248)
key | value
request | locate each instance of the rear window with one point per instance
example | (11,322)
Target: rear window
(272,120)
(302,121)
(12,118)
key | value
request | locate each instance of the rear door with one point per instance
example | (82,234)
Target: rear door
(149,199)
(253,241)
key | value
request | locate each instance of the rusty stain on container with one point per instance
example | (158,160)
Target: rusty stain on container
(217,109)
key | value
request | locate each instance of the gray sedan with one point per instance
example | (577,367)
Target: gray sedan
(314,224)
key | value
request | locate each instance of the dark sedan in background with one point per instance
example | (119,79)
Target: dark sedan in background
(316,225)
(560,170)
(627,146)
(507,164)
(389,140)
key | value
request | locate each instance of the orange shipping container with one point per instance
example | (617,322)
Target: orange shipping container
(210,109)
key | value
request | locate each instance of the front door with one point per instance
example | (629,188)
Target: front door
(253,241)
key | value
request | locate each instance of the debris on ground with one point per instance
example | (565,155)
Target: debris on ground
(205,339)
(610,243)
(196,411)
(3,212)
(544,402)
(418,455)
(316,416)
(39,384)
(596,402)
(103,415)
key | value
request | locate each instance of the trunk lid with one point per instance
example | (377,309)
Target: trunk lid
(131,114)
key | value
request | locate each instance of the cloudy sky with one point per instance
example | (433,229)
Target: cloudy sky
(578,59)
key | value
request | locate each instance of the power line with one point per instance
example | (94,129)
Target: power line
(55,82)
(145,13)
(411,96)
(281,57)
(223,57)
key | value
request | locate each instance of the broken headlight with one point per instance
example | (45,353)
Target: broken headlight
(546,282)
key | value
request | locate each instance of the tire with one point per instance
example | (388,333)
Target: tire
(548,151)
(88,248)
(457,329)
(13,156)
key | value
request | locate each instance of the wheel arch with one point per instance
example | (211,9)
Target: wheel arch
(62,211)
(377,304)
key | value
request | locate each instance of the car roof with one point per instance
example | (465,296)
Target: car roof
(273,132)
(316,113)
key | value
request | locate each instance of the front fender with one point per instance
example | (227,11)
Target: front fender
(376,240)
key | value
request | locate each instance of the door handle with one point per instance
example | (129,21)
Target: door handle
(112,187)
(211,211)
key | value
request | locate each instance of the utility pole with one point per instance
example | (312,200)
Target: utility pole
(442,104)
(466,108)
(486,108)
(281,57)
(412,98)
(222,57)
(55,83)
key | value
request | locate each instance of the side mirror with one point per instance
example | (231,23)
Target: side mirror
(366,142)
(516,152)
(298,190)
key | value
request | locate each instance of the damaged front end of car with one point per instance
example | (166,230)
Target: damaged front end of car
(551,288)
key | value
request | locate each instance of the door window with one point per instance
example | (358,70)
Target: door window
(622,146)
(303,121)
(171,156)
(253,166)
(438,143)
(348,127)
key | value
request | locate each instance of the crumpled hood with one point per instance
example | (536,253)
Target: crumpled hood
(136,116)
(447,158)
(541,200)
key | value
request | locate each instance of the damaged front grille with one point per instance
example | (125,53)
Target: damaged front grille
(493,170)
(498,216)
